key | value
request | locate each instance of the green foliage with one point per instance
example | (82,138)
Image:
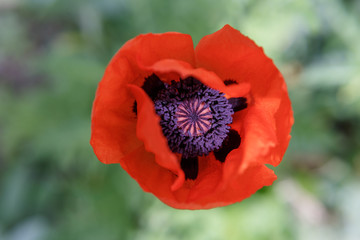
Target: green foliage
(53,54)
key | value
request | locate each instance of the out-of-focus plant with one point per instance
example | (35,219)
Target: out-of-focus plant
(52,55)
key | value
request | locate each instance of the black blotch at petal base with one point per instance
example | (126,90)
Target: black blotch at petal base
(231,142)
(152,85)
(190,166)
(238,103)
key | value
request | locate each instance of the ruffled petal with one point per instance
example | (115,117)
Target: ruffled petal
(284,119)
(168,67)
(210,175)
(149,131)
(234,56)
(113,123)
(153,178)
(241,186)
(244,185)
(150,48)
(258,140)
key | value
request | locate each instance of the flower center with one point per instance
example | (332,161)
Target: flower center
(194,117)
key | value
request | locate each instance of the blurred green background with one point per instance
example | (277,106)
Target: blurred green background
(54,52)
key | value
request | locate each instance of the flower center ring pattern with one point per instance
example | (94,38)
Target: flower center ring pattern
(193,117)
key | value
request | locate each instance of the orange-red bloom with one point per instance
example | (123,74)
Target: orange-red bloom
(129,125)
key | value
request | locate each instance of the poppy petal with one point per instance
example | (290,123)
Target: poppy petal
(150,48)
(240,187)
(169,66)
(142,166)
(234,56)
(149,131)
(207,182)
(258,132)
(113,123)
(245,184)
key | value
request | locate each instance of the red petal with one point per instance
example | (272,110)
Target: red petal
(241,187)
(210,174)
(150,48)
(258,137)
(167,67)
(113,123)
(142,166)
(149,131)
(244,185)
(256,149)
(234,56)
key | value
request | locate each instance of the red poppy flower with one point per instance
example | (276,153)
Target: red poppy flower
(193,127)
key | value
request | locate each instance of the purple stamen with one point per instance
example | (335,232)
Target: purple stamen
(194,117)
